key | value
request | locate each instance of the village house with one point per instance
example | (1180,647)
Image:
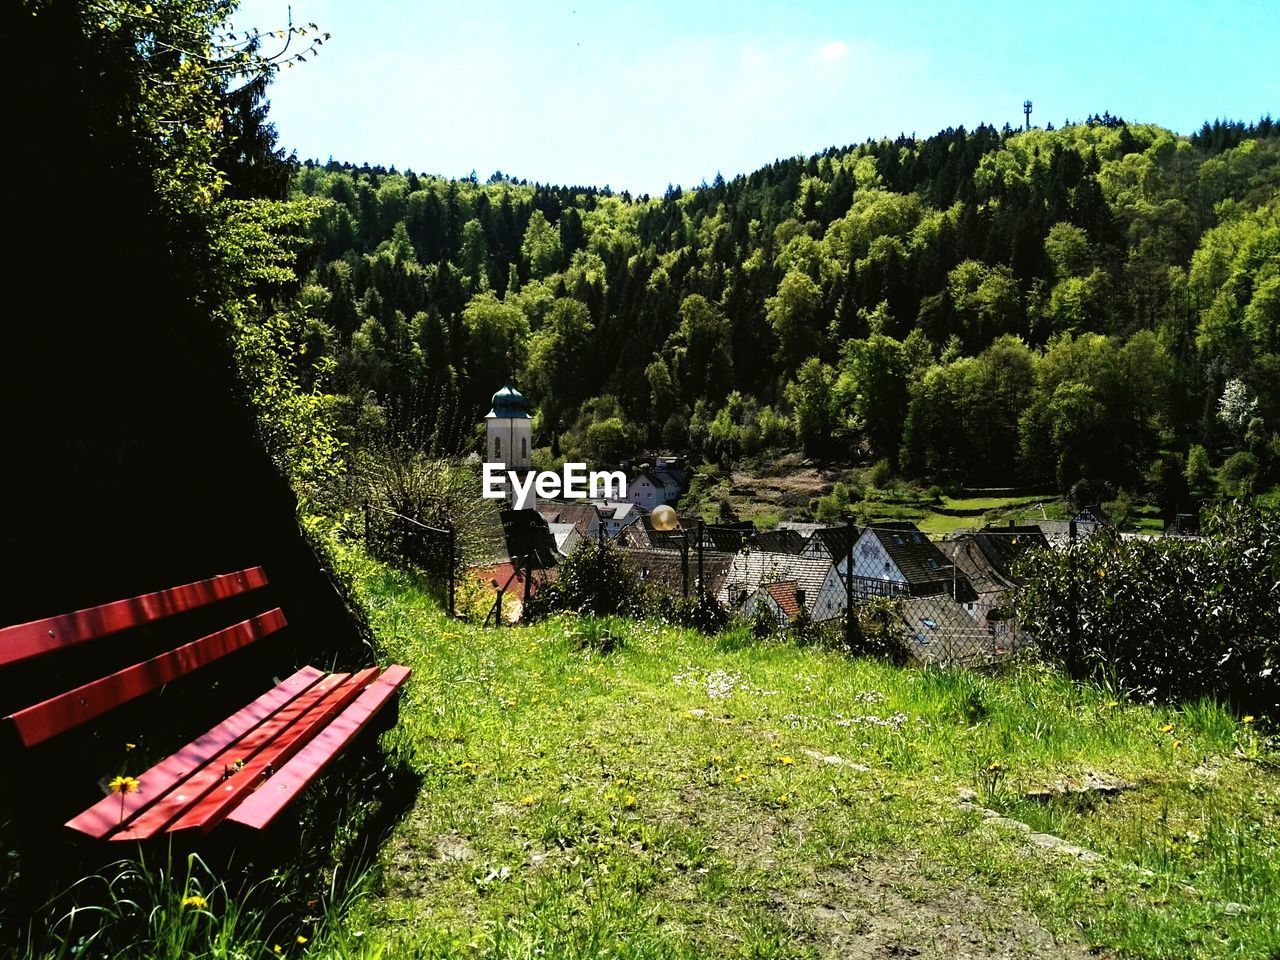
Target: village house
(675,467)
(828,543)
(938,630)
(893,559)
(987,559)
(1091,519)
(583,517)
(783,599)
(616,514)
(752,569)
(673,573)
(652,488)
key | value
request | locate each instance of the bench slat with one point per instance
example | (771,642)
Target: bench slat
(106,815)
(164,809)
(38,723)
(265,803)
(214,807)
(27,640)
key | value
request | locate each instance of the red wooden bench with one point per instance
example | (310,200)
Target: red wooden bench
(247,768)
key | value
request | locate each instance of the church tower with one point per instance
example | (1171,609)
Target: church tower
(509,434)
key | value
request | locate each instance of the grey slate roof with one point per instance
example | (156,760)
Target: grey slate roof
(664,568)
(751,569)
(780,541)
(926,568)
(581,515)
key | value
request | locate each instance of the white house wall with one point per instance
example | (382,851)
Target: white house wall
(872,561)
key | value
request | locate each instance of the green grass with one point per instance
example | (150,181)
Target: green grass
(691,796)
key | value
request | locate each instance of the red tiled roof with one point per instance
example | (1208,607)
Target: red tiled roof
(503,574)
(784,595)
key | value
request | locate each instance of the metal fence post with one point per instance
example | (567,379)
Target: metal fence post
(1073,596)
(701,585)
(848,588)
(453,564)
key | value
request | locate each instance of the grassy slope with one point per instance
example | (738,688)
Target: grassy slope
(691,796)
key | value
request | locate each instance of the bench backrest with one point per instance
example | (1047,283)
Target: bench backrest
(71,708)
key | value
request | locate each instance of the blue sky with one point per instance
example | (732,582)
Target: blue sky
(639,95)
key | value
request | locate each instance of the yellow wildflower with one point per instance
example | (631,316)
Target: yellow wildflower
(125,785)
(1177,744)
(277,949)
(300,940)
(785,761)
(610,797)
(1247,718)
(467,765)
(629,800)
(527,800)
(194,901)
(741,778)
(784,799)
(995,766)
(1167,728)
(131,746)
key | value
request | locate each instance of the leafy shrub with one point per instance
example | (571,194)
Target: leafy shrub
(764,624)
(704,613)
(396,481)
(878,630)
(1239,474)
(880,474)
(597,579)
(1168,619)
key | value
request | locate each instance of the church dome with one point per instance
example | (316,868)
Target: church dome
(509,404)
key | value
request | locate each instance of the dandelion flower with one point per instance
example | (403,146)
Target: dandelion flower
(785,761)
(300,940)
(610,797)
(467,765)
(629,801)
(527,800)
(995,766)
(1177,744)
(277,949)
(1167,728)
(1247,718)
(195,901)
(123,785)
(740,778)
(784,799)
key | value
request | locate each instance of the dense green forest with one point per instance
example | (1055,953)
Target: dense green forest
(1096,303)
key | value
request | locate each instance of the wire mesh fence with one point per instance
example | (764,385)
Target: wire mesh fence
(404,541)
(948,602)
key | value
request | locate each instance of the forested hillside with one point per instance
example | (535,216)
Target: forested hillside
(1099,302)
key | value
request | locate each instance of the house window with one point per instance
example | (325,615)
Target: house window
(524,447)
(497,447)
